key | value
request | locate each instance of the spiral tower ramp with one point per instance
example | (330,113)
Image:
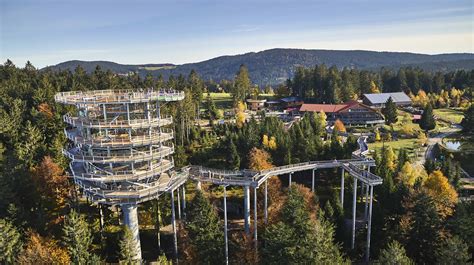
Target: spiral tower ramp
(121,147)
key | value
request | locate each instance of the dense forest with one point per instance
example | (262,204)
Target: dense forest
(272,67)
(43,219)
(331,85)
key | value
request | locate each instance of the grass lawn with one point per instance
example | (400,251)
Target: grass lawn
(224,100)
(409,144)
(403,118)
(450,115)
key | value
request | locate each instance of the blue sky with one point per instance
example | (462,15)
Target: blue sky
(48,32)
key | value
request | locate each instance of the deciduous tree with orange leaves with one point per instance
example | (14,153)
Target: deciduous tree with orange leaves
(339,126)
(53,189)
(40,250)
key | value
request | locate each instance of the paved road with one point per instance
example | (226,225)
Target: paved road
(437,139)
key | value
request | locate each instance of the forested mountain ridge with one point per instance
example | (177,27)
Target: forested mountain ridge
(276,65)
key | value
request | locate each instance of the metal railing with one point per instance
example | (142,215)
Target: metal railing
(114,124)
(133,156)
(122,176)
(117,96)
(134,140)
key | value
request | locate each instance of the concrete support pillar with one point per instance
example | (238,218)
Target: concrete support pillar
(369,227)
(265,203)
(130,219)
(247,209)
(312,181)
(354,208)
(342,188)
(289,180)
(255,220)
(173,223)
(225,228)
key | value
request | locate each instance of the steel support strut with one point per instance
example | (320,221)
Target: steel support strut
(184,201)
(173,222)
(179,204)
(369,227)
(354,207)
(225,228)
(255,223)
(342,189)
(265,201)
(247,209)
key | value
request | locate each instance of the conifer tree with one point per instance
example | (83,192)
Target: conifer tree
(394,254)
(453,251)
(10,242)
(423,231)
(128,250)
(205,232)
(390,112)
(233,158)
(241,88)
(77,238)
(427,121)
(468,121)
(298,239)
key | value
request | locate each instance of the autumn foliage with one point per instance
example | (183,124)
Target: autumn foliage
(443,194)
(40,250)
(53,189)
(339,126)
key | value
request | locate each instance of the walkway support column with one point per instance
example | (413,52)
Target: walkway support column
(179,204)
(158,227)
(289,180)
(184,201)
(312,181)
(255,220)
(369,228)
(354,207)
(198,185)
(247,209)
(225,228)
(173,223)
(265,202)
(130,219)
(342,188)
(366,201)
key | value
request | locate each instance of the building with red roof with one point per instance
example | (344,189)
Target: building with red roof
(350,113)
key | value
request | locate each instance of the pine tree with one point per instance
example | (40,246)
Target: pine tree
(10,243)
(241,84)
(468,121)
(390,112)
(427,121)
(233,158)
(297,238)
(205,232)
(394,254)
(128,250)
(453,251)
(423,232)
(77,238)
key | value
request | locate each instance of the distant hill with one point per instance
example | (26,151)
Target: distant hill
(276,65)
